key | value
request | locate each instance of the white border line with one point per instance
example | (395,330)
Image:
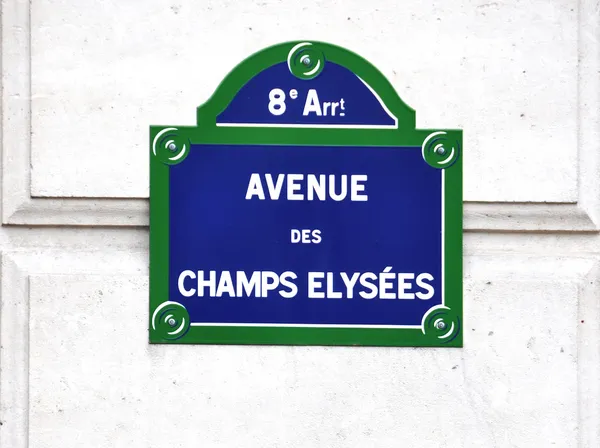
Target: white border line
(219,324)
(296,125)
(443,237)
(417,327)
(390,114)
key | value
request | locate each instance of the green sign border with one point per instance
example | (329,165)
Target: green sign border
(169,321)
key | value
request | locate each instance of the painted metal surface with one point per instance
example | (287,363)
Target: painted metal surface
(305,208)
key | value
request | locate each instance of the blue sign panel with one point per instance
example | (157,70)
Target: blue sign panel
(306,208)
(306,235)
(336,98)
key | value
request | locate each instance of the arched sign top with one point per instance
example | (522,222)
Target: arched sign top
(306,84)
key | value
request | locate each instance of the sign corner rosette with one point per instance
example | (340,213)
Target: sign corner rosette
(306,208)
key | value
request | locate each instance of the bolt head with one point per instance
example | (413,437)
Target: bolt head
(172,147)
(172,322)
(306,61)
(441,150)
(440,325)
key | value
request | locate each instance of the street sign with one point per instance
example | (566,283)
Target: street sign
(305,208)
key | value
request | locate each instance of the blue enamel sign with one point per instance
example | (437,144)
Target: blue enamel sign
(336,98)
(305,208)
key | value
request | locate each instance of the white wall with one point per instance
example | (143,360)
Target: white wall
(82,81)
